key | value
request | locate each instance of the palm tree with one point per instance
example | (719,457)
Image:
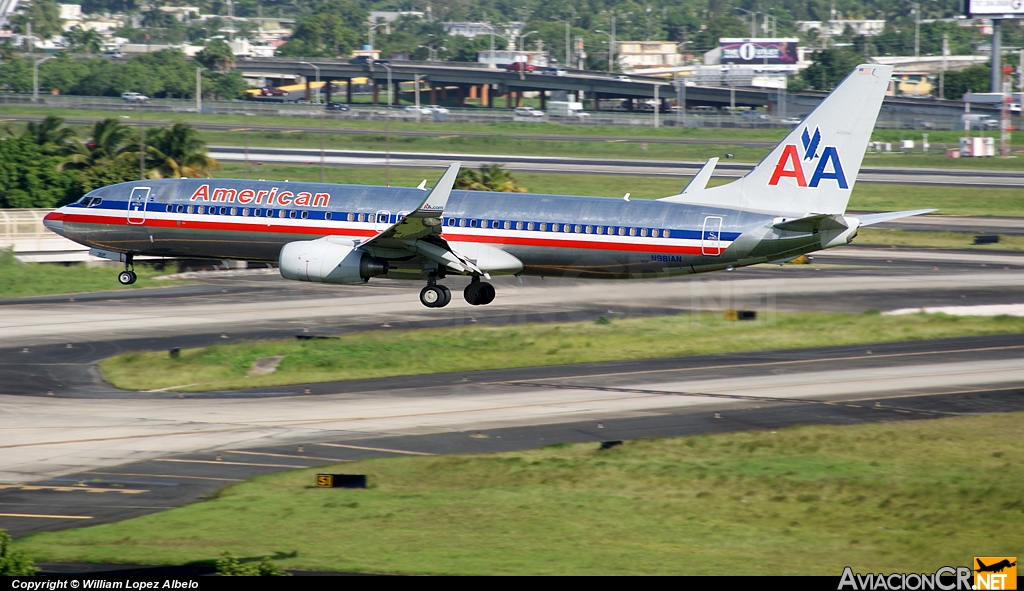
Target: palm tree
(488,178)
(177,151)
(85,40)
(111,139)
(50,131)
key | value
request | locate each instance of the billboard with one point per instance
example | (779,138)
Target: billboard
(996,8)
(762,51)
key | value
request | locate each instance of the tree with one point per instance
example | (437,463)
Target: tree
(110,140)
(830,67)
(50,132)
(44,16)
(227,86)
(229,566)
(320,35)
(30,177)
(88,41)
(972,79)
(13,564)
(217,55)
(16,74)
(177,151)
(63,74)
(488,178)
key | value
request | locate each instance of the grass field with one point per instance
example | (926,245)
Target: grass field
(872,236)
(883,497)
(412,352)
(866,197)
(36,279)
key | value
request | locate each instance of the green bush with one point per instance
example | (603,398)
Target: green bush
(229,566)
(14,563)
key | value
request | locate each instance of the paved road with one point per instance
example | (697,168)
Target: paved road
(618,167)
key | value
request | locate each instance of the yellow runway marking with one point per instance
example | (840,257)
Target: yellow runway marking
(241,129)
(393,451)
(45,516)
(293,131)
(92,489)
(229,463)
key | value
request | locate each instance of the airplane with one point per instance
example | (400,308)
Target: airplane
(996,567)
(792,203)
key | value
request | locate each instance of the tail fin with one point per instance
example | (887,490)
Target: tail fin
(814,169)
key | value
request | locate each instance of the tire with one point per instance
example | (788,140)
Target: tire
(432,296)
(472,293)
(447,296)
(126,278)
(487,294)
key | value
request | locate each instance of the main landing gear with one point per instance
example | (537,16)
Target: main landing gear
(128,276)
(477,293)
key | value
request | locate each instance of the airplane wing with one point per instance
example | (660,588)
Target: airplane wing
(877,218)
(420,230)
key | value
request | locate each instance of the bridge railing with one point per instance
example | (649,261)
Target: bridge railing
(23,230)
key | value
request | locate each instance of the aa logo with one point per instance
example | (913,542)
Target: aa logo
(995,572)
(828,167)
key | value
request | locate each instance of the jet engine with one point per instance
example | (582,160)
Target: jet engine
(322,261)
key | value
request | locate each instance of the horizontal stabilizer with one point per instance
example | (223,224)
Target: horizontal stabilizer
(877,218)
(821,222)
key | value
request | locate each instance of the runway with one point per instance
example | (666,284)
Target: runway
(76,451)
(604,166)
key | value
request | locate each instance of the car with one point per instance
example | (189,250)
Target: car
(133,97)
(414,110)
(360,59)
(336,106)
(553,72)
(520,66)
(437,109)
(272,91)
(622,78)
(527,112)
(789,121)
(112,54)
(382,62)
(755,116)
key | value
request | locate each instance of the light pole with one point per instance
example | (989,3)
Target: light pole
(522,44)
(567,48)
(611,45)
(317,89)
(753,21)
(35,77)
(387,133)
(491,56)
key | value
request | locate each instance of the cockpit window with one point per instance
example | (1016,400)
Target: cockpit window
(95,201)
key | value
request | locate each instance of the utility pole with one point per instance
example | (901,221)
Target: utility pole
(387,133)
(1004,124)
(611,45)
(917,28)
(142,143)
(31,39)
(657,104)
(199,90)
(995,81)
(942,72)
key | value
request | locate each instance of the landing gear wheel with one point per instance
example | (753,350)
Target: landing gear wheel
(479,293)
(435,296)
(127,277)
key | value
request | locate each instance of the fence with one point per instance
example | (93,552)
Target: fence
(23,230)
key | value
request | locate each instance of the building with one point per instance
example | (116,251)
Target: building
(637,55)
(390,16)
(836,27)
(469,30)
(503,57)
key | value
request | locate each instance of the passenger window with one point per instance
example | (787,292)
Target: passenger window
(95,201)
(473,223)
(328,215)
(590,229)
(484,224)
(245,212)
(362,217)
(600,229)
(282,213)
(305,215)
(170,209)
(665,233)
(556,227)
(508,225)
(519,225)
(188,209)
(257,212)
(579,228)
(622,231)
(529,226)
(351,217)
(643,231)
(234,211)
(632,231)
(200,208)
(180,208)
(462,222)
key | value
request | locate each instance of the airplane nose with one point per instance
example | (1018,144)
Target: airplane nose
(54,221)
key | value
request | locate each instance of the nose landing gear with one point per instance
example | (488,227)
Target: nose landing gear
(128,276)
(479,293)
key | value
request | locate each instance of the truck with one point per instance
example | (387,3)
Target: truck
(566,109)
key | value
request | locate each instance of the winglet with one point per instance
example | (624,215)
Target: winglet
(423,185)
(438,198)
(698,183)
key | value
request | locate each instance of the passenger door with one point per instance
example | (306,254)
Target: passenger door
(137,205)
(711,237)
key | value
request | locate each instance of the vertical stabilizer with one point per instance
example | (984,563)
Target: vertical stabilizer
(814,169)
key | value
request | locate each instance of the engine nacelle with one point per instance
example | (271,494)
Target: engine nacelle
(321,261)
